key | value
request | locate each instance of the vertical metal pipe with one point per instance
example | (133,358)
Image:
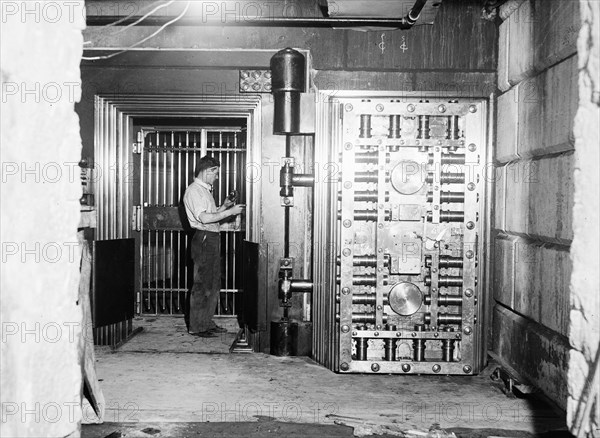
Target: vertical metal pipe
(286,210)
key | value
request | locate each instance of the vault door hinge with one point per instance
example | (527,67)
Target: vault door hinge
(136,218)
(139,144)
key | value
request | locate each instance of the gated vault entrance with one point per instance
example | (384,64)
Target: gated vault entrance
(167,166)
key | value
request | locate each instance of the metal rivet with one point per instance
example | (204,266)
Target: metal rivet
(435,335)
(345,329)
(472,108)
(348,146)
(401,141)
(354,333)
(380,225)
(375,367)
(436,207)
(287,201)
(379,107)
(472,147)
(405,367)
(345,290)
(346,252)
(380,205)
(442,108)
(417,142)
(471,186)
(437,149)
(347,223)
(398,334)
(436,368)
(468,330)
(376,334)
(348,185)
(433,269)
(344,366)
(470,225)
(413,334)
(348,107)
(410,108)
(434,289)
(469,254)
(467,369)
(468,292)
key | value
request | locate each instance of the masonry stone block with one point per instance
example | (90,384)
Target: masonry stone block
(506,126)
(521,46)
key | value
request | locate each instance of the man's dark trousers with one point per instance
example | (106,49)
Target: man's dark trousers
(206,255)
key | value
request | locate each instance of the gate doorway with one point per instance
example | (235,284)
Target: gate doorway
(168,156)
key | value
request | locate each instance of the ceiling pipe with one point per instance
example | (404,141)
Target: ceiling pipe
(159,20)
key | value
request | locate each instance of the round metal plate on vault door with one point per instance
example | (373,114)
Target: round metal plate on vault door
(405,298)
(407,177)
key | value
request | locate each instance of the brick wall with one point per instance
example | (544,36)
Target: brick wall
(41,47)
(534,158)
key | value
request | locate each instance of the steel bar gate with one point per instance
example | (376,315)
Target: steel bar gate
(167,168)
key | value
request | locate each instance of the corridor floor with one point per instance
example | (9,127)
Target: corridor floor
(164,383)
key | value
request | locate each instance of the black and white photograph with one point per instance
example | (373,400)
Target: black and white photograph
(300,218)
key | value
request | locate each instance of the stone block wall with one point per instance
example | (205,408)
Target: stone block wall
(534,196)
(41,48)
(583,403)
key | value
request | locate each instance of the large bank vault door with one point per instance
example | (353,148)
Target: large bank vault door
(408,238)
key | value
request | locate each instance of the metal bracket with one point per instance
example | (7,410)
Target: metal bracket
(136,218)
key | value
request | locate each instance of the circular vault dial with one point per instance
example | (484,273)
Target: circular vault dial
(407,177)
(405,298)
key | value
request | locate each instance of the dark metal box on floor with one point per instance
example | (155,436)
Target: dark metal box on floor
(400,265)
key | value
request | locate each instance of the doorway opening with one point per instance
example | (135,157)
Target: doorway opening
(151,144)
(168,160)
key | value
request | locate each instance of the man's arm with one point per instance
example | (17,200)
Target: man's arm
(210,218)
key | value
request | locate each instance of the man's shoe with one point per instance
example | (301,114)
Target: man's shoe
(206,334)
(217,329)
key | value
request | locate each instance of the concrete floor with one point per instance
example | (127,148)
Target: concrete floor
(163,379)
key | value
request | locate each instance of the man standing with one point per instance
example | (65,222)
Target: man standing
(204,217)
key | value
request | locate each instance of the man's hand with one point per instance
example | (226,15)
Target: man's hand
(228,203)
(237,209)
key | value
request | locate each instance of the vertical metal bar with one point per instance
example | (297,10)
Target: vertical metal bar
(155,235)
(223,193)
(141,231)
(98,125)
(234,177)
(164,171)
(203,142)
(155,169)
(105,172)
(113,195)
(119,165)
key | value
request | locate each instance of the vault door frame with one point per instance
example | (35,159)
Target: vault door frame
(115,142)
